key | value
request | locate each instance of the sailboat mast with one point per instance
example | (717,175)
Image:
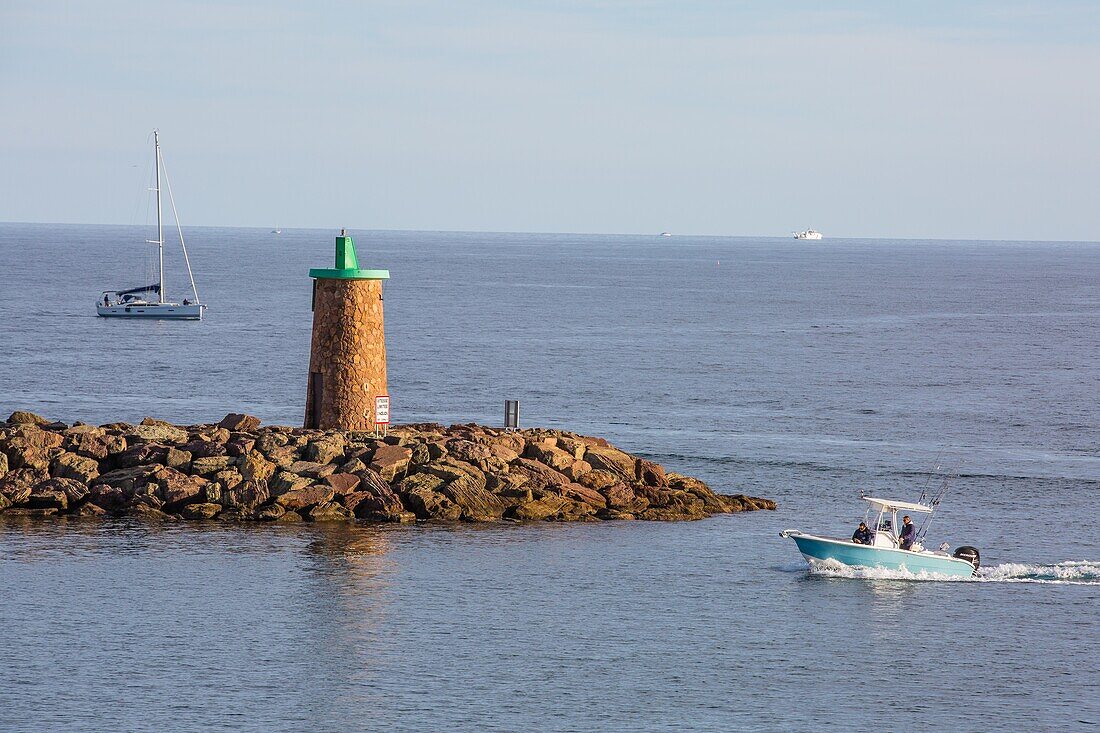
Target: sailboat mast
(160,222)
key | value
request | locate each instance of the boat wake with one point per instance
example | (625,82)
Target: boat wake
(1073,572)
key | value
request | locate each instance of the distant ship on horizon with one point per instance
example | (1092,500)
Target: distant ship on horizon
(808,234)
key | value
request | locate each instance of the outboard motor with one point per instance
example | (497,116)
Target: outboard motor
(970,554)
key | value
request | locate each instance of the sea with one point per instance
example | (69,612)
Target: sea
(805,372)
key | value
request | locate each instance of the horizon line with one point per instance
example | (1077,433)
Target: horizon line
(564,233)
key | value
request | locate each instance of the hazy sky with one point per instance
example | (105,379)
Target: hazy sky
(907,119)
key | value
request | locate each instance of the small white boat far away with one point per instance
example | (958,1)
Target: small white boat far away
(808,234)
(139,302)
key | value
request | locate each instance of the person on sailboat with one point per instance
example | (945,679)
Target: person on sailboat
(908,533)
(106,300)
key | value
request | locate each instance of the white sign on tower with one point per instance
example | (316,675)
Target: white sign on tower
(382,410)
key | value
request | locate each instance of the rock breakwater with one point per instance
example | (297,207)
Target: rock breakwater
(238,470)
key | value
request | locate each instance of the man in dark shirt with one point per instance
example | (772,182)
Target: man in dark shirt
(908,533)
(862,535)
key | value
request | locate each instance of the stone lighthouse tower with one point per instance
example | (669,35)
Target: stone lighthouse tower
(347,360)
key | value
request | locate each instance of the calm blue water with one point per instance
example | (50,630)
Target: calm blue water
(801,371)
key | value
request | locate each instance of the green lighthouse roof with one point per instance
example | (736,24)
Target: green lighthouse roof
(347,265)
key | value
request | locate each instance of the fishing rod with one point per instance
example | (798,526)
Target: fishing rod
(935,500)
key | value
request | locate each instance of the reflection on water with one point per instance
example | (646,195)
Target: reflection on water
(121,625)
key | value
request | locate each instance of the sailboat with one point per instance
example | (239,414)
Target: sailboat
(148,301)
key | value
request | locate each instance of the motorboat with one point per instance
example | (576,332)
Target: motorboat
(884,550)
(666,234)
(148,301)
(808,234)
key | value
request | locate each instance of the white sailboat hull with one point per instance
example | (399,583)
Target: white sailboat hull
(170,311)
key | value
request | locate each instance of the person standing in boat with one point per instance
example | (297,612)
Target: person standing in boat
(862,535)
(908,533)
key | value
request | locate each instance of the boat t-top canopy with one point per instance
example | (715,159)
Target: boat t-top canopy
(891,505)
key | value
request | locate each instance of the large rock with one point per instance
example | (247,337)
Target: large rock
(52,494)
(467,450)
(246,495)
(75,491)
(391,461)
(610,459)
(177,489)
(551,455)
(573,446)
(328,512)
(201,448)
(742,503)
(144,454)
(537,510)
(342,483)
(240,423)
(418,492)
(309,496)
(255,466)
(283,456)
(581,493)
(178,459)
(77,467)
(621,497)
(379,507)
(28,446)
(22,417)
(711,501)
(576,469)
(599,479)
(88,509)
(210,465)
(94,443)
(311,469)
(125,479)
(239,445)
(539,475)
(284,481)
(107,497)
(456,472)
(650,473)
(476,504)
(670,505)
(325,450)
(201,511)
(159,433)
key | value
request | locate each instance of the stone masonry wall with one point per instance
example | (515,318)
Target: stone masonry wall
(349,350)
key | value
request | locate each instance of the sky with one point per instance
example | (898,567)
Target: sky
(936,119)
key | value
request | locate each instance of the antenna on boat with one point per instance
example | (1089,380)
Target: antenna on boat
(928,479)
(935,500)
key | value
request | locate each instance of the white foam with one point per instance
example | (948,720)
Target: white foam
(1072,572)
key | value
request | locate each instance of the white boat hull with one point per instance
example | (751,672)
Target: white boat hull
(824,549)
(169,311)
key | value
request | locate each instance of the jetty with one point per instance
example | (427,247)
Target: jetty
(238,470)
